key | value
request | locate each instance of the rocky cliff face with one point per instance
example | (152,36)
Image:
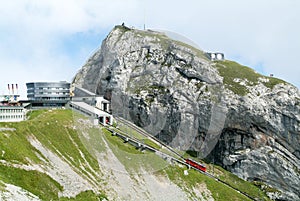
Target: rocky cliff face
(246,122)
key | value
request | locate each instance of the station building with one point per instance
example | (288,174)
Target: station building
(92,105)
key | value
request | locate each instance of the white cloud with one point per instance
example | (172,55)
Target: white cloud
(33,33)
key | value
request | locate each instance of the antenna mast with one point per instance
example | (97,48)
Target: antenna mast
(145,15)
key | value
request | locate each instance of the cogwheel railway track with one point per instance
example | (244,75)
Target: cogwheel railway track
(179,159)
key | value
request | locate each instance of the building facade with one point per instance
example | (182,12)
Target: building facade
(11,110)
(92,105)
(12,113)
(48,94)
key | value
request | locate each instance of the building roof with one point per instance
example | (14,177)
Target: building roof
(9,106)
(83,92)
(90,108)
(59,82)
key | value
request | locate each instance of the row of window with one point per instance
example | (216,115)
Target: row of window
(48,88)
(10,111)
(50,98)
(37,90)
(53,93)
(11,117)
(55,98)
(42,92)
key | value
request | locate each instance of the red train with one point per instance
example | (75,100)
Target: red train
(196,165)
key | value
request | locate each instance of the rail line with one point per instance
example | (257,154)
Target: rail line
(144,133)
(136,142)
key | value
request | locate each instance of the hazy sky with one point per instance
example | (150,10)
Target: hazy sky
(50,40)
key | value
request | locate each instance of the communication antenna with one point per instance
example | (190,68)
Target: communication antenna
(144,15)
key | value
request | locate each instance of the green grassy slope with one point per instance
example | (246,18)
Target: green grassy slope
(231,70)
(55,130)
(175,173)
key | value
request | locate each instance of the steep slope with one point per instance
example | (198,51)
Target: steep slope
(45,156)
(226,112)
(58,155)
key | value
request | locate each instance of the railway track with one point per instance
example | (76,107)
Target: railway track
(180,160)
(144,133)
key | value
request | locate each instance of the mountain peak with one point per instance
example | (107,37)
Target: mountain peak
(177,94)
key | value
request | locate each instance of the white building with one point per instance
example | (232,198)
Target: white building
(12,113)
(11,110)
(93,112)
(96,101)
(92,105)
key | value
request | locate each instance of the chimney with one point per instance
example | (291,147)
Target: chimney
(8,89)
(12,89)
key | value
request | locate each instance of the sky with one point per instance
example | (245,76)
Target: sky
(50,40)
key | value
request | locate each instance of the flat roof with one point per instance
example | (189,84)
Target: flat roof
(90,108)
(85,91)
(22,105)
(63,82)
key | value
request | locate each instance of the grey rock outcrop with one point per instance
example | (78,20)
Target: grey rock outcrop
(174,92)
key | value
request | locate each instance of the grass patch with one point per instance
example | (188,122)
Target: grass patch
(132,158)
(33,181)
(273,82)
(118,143)
(55,128)
(15,146)
(94,143)
(86,195)
(187,182)
(233,180)
(230,70)
(244,186)
(129,131)
(151,143)
(265,187)
(34,114)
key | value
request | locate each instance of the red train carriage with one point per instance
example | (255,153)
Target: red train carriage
(196,165)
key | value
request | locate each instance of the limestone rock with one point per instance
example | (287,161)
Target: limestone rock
(246,122)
